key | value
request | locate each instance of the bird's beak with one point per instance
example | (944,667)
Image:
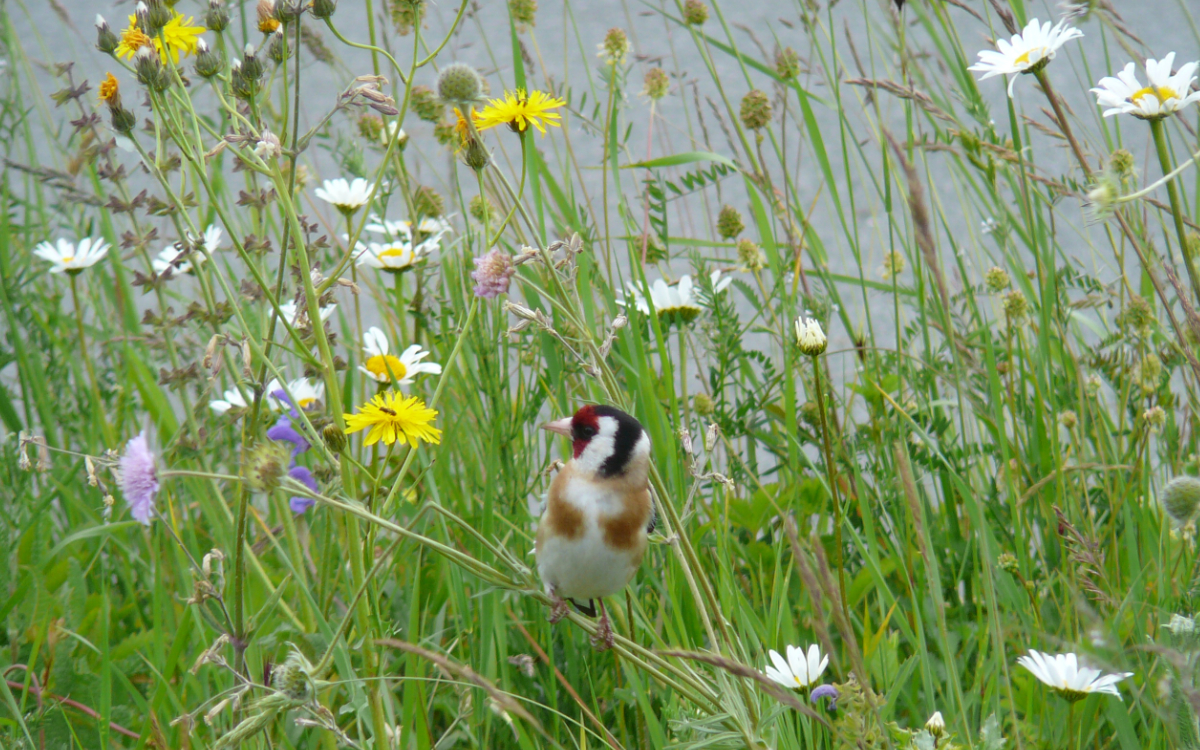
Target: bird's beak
(561,426)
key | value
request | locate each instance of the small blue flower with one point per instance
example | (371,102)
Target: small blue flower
(305,477)
(825,691)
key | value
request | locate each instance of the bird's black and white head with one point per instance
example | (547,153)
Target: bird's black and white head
(607,442)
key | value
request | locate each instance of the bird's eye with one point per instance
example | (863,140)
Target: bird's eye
(585,432)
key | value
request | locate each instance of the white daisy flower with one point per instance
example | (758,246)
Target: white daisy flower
(1064,675)
(1164,95)
(400,254)
(347,197)
(385,136)
(291,314)
(810,337)
(397,229)
(234,400)
(212,238)
(67,257)
(678,304)
(1027,52)
(800,669)
(306,392)
(379,363)
(168,257)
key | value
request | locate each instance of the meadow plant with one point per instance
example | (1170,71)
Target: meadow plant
(917,353)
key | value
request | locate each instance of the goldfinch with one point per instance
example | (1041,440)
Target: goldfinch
(593,533)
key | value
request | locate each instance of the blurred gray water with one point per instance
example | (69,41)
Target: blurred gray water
(563,50)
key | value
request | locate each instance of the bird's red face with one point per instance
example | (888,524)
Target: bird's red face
(602,436)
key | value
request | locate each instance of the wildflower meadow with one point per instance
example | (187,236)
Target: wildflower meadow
(871,326)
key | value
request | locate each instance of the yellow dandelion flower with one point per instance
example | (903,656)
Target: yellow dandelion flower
(179,34)
(110,90)
(391,417)
(519,110)
(132,40)
(461,131)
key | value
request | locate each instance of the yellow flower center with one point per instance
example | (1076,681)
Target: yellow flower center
(68,258)
(304,403)
(394,252)
(1031,56)
(381,364)
(109,88)
(1161,93)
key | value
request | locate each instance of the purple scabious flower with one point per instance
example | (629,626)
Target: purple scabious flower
(305,477)
(284,431)
(492,273)
(139,478)
(825,691)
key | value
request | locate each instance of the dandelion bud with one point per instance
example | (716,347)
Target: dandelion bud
(208,64)
(1068,419)
(247,75)
(276,49)
(685,441)
(1181,498)
(703,404)
(936,725)
(335,438)
(1016,307)
(996,279)
(475,155)
(150,71)
(1121,163)
(656,84)
(323,9)
(615,47)
(141,17)
(123,121)
(158,15)
(695,13)
(729,223)
(426,104)
(217,17)
(755,113)
(460,85)
(809,336)
(787,63)
(1155,418)
(428,202)
(751,256)
(106,39)
(266,467)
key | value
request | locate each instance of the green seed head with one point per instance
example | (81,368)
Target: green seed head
(755,113)
(426,104)
(428,202)
(1181,498)
(695,12)
(482,210)
(322,9)
(1016,307)
(406,14)
(1068,419)
(703,404)
(267,465)
(1121,163)
(460,85)
(615,47)
(217,16)
(787,63)
(729,223)
(750,255)
(523,13)
(996,279)
(656,84)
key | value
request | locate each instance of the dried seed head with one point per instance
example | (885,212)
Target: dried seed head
(615,47)
(787,63)
(656,84)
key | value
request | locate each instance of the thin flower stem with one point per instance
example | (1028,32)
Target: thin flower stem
(97,405)
(1164,158)
(833,489)
(516,200)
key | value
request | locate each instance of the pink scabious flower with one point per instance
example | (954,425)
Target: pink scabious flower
(491,274)
(139,478)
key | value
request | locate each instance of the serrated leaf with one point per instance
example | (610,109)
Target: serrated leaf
(990,735)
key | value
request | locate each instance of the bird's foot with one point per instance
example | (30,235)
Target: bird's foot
(603,638)
(559,610)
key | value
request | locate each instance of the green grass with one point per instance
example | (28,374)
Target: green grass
(993,475)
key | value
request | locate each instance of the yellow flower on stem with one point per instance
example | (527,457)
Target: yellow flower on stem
(110,91)
(519,110)
(391,417)
(179,34)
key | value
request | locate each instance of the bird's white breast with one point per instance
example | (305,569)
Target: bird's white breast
(586,567)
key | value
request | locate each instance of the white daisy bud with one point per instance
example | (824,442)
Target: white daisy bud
(936,725)
(810,337)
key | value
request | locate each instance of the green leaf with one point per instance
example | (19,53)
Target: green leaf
(688,157)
